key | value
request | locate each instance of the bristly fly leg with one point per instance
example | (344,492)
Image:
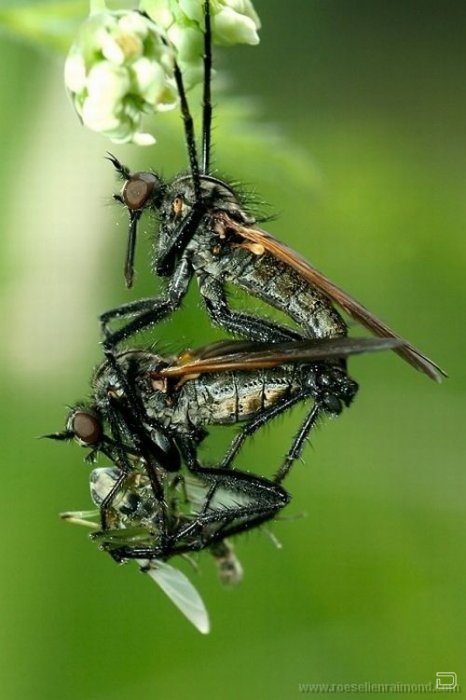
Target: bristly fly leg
(151,310)
(183,235)
(155,309)
(207,99)
(318,408)
(134,420)
(267,499)
(126,468)
(298,441)
(256,423)
(238,323)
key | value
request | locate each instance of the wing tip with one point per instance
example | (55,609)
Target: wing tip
(436,373)
(423,363)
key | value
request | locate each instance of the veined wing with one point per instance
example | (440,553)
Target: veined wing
(180,590)
(261,241)
(252,356)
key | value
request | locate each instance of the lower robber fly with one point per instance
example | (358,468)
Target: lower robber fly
(149,510)
(156,408)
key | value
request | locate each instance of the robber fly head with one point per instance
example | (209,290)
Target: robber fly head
(181,206)
(140,191)
(83,424)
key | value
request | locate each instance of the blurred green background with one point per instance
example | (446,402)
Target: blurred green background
(352,129)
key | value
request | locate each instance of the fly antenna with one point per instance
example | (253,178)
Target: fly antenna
(207,99)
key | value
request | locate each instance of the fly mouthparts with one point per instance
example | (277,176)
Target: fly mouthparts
(65,435)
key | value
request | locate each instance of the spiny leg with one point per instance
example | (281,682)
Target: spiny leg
(122,463)
(207,100)
(251,327)
(298,441)
(264,501)
(267,498)
(166,263)
(190,458)
(188,126)
(270,498)
(257,422)
(237,322)
(150,311)
(133,422)
(188,131)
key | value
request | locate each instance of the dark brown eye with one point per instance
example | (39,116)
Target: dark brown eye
(137,190)
(86,427)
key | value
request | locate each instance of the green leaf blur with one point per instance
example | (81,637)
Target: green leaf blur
(348,121)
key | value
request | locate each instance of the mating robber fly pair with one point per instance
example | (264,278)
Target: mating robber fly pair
(149,414)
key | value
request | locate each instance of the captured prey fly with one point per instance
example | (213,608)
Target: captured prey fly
(132,522)
(133,529)
(186,513)
(131,525)
(206,232)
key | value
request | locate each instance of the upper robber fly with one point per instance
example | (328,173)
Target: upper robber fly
(206,232)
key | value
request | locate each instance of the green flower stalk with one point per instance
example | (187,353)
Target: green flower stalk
(121,64)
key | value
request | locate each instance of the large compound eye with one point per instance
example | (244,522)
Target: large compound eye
(86,426)
(138,189)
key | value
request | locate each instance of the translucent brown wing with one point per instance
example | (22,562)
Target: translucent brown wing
(220,348)
(262,241)
(248,356)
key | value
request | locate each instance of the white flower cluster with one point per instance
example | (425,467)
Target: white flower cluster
(121,64)
(117,70)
